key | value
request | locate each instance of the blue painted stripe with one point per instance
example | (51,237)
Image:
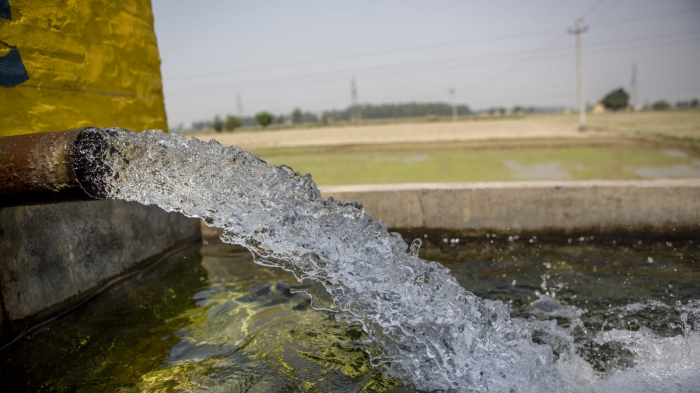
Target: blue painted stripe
(12,71)
(5,10)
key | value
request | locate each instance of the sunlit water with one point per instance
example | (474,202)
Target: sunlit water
(421,326)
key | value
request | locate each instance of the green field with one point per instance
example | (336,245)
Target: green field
(490,161)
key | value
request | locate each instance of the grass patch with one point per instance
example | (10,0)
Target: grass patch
(481,162)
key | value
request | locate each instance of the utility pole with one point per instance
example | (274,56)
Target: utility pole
(454,108)
(577,31)
(355,105)
(633,87)
(239,105)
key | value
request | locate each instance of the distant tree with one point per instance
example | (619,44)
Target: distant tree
(687,104)
(297,116)
(616,100)
(218,124)
(310,117)
(326,118)
(660,105)
(232,122)
(497,111)
(264,119)
(201,125)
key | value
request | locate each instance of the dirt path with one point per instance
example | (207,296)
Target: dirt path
(465,131)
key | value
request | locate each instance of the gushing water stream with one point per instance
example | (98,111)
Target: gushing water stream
(424,328)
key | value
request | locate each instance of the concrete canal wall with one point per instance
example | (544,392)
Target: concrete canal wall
(54,256)
(645,206)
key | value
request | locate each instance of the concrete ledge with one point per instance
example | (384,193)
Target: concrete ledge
(648,206)
(53,256)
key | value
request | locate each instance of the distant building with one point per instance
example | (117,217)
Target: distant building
(598,108)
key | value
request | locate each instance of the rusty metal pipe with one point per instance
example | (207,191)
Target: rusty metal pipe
(47,168)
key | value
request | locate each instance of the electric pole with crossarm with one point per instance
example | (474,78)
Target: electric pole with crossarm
(356,106)
(454,108)
(577,31)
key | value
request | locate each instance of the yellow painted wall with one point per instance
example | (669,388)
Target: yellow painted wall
(89,62)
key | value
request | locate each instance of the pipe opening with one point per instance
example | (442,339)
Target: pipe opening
(90,170)
(54,167)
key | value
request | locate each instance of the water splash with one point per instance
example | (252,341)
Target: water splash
(424,327)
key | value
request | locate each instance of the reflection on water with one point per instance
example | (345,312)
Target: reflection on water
(211,323)
(219,322)
(675,153)
(690,170)
(541,171)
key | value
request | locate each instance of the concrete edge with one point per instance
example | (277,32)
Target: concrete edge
(655,183)
(552,207)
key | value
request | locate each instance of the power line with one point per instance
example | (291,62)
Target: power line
(405,49)
(499,59)
(422,47)
(641,18)
(515,67)
(259,87)
(591,9)
(616,50)
(594,45)
(393,73)
(505,57)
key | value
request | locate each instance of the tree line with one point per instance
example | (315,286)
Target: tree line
(394,111)
(619,99)
(263,119)
(350,114)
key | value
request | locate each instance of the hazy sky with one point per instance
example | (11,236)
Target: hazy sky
(278,55)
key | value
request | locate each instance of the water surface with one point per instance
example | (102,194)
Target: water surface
(211,319)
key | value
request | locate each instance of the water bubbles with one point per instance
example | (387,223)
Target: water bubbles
(415,247)
(650,259)
(422,278)
(408,306)
(423,327)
